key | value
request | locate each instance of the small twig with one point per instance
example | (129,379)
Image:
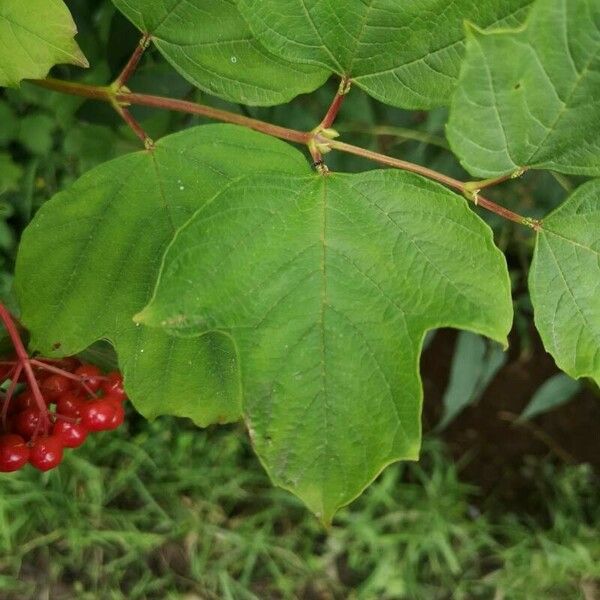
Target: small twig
(24,363)
(193,108)
(436,176)
(476,186)
(9,394)
(336,104)
(132,63)
(134,126)
(42,365)
(123,99)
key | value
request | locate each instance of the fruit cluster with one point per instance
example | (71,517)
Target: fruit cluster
(71,401)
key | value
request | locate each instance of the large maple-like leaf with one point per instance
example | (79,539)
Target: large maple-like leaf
(403,53)
(565,283)
(209,43)
(327,285)
(35,35)
(89,260)
(529,98)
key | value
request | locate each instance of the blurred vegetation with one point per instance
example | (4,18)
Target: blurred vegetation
(164,510)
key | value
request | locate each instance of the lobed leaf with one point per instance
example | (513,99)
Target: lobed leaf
(564,282)
(209,43)
(89,261)
(35,35)
(328,286)
(529,98)
(406,54)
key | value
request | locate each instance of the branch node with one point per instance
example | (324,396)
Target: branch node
(345,86)
(534,224)
(471,192)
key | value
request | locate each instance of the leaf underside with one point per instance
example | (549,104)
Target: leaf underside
(209,43)
(403,53)
(565,283)
(89,260)
(541,107)
(35,35)
(328,286)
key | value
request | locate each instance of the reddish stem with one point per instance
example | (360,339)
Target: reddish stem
(134,126)
(132,63)
(108,95)
(192,108)
(332,113)
(24,363)
(16,373)
(436,176)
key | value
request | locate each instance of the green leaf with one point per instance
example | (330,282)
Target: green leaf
(35,35)
(474,365)
(529,98)
(89,260)
(564,282)
(403,53)
(555,392)
(328,286)
(209,43)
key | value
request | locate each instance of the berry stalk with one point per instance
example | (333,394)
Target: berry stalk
(23,363)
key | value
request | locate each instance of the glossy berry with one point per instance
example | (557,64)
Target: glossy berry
(98,415)
(71,434)
(14,453)
(26,422)
(69,405)
(113,386)
(119,415)
(23,401)
(46,452)
(55,386)
(91,375)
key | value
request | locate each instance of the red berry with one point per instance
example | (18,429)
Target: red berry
(98,415)
(91,375)
(71,434)
(69,405)
(55,385)
(23,401)
(14,453)
(26,422)
(46,452)
(119,415)
(113,385)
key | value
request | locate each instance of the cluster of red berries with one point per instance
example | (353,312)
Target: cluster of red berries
(70,402)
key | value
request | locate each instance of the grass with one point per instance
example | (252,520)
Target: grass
(167,511)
